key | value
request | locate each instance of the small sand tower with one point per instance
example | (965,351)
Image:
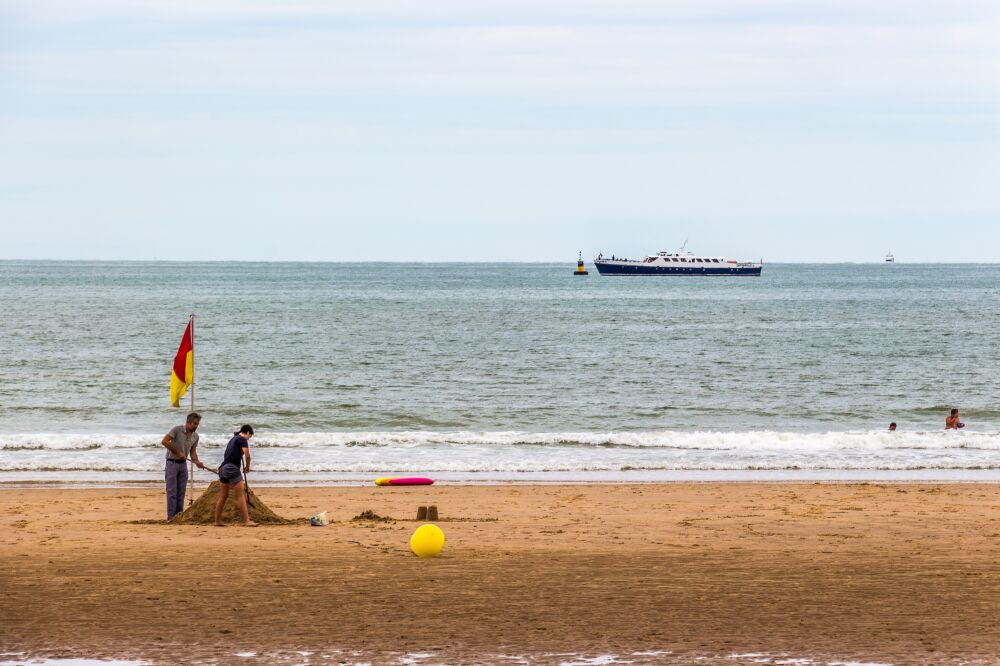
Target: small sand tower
(579,266)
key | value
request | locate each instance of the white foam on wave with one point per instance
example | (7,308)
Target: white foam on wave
(747,440)
(511,467)
(599,660)
(515,452)
(695,440)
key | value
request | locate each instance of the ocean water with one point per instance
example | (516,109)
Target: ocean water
(504,371)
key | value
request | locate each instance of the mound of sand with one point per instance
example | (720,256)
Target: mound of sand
(368,514)
(202,510)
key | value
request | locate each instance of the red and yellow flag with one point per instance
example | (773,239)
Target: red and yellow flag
(182,375)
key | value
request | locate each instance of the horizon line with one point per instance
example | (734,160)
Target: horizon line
(410,262)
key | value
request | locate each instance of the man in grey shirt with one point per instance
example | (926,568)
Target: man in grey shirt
(181,442)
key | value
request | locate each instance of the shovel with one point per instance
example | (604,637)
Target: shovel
(246,489)
(211,469)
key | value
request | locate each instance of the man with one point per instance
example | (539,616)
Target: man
(953,422)
(180,442)
(892,427)
(237,450)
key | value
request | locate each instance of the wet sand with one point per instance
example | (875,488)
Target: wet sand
(889,573)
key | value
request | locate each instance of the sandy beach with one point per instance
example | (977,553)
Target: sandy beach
(657,573)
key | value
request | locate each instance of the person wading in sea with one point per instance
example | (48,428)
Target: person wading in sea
(230,476)
(953,421)
(180,442)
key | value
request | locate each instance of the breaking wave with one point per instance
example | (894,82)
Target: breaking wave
(296,454)
(690,440)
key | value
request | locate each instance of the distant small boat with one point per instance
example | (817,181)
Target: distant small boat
(889,259)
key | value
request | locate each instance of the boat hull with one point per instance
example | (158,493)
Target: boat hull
(638,268)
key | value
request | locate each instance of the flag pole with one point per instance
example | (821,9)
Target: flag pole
(191,462)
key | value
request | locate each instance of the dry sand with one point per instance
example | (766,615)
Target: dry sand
(899,574)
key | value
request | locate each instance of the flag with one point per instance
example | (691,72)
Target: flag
(182,375)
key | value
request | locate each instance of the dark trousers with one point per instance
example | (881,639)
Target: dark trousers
(177,481)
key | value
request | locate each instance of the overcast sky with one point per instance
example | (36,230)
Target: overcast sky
(458,130)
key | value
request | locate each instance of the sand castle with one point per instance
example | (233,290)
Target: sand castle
(202,510)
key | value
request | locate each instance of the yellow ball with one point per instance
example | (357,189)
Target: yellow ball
(427,541)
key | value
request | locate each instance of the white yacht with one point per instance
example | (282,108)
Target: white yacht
(675,263)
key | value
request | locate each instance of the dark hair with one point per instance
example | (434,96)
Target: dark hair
(892,424)
(248,429)
(954,411)
(193,416)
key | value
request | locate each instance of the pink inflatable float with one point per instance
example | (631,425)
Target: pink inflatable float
(403,481)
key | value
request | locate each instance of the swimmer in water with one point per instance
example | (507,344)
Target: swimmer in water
(952,421)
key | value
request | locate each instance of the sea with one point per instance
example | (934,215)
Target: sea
(506,372)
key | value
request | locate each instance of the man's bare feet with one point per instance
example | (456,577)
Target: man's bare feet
(251,524)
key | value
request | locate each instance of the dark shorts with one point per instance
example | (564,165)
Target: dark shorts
(230,474)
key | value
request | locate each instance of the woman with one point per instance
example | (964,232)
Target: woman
(230,476)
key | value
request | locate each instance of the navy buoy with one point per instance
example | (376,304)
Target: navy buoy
(579,266)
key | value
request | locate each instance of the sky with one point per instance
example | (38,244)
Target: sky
(448,130)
